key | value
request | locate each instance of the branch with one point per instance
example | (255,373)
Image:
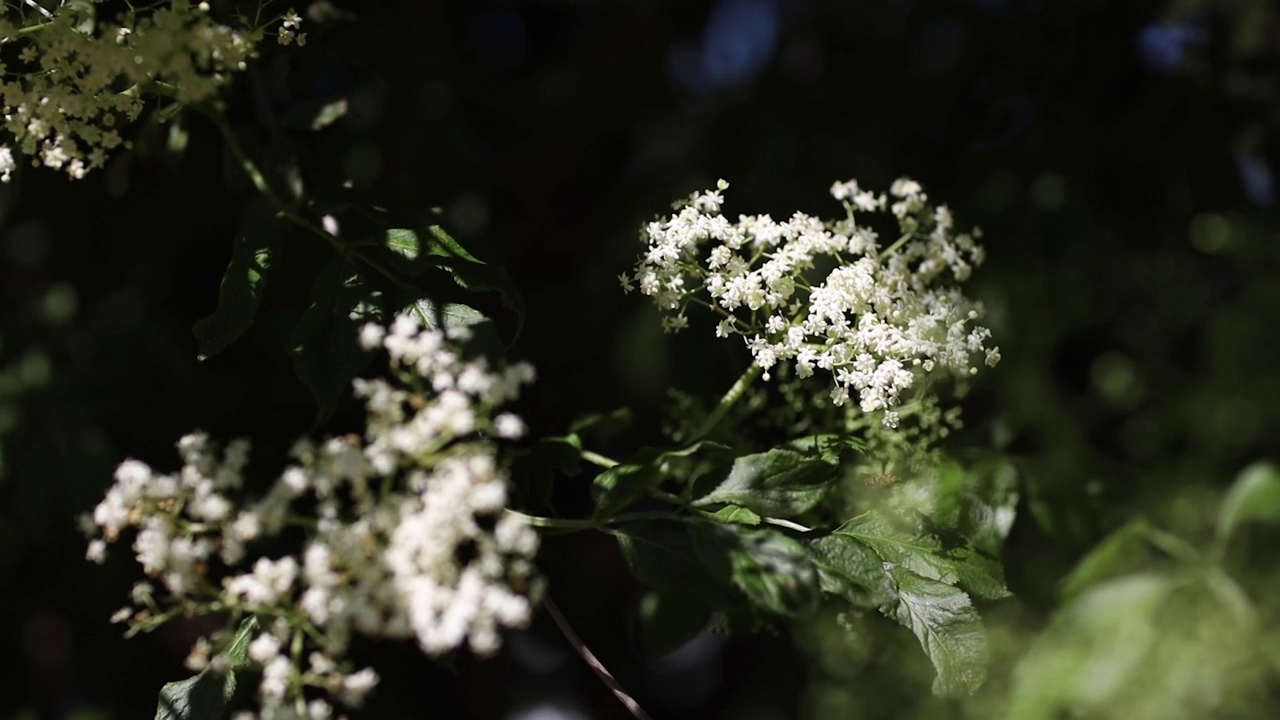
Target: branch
(600,670)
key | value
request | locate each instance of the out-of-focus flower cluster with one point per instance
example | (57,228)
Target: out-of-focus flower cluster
(71,82)
(405,530)
(826,295)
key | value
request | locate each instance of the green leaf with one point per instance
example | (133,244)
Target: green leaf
(1094,646)
(438,316)
(1254,496)
(440,250)
(533,471)
(738,515)
(729,567)
(1124,551)
(851,570)
(924,555)
(625,483)
(212,695)
(326,351)
(667,620)
(990,504)
(404,242)
(243,284)
(777,483)
(945,622)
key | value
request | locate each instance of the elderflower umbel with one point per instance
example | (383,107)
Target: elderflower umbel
(406,534)
(77,81)
(824,295)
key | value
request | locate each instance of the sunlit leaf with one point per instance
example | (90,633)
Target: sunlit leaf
(1255,496)
(777,483)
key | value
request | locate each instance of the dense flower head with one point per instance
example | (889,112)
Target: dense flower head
(406,529)
(76,80)
(825,295)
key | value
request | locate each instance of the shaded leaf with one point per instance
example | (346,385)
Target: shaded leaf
(326,351)
(243,284)
(667,620)
(777,483)
(619,486)
(729,567)
(1091,650)
(1122,552)
(851,570)
(212,695)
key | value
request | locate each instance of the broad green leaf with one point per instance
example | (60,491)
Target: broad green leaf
(738,515)
(777,483)
(625,483)
(404,242)
(326,351)
(1091,651)
(729,567)
(945,622)
(667,620)
(924,555)
(1254,496)
(1124,551)
(438,316)
(663,555)
(243,284)
(851,570)
(212,695)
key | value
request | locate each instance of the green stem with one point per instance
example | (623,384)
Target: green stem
(727,402)
(574,524)
(598,459)
(899,243)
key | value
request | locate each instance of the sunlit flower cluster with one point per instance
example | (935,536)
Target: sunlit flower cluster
(71,80)
(826,295)
(406,533)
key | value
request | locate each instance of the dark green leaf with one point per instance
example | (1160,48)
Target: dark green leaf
(243,284)
(948,627)
(1255,496)
(664,556)
(729,567)
(777,483)
(621,485)
(326,351)
(667,620)
(534,468)
(212,695)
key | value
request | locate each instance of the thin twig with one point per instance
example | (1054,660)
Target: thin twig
(601,671)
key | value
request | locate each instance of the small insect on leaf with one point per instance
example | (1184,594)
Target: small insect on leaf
(881,480)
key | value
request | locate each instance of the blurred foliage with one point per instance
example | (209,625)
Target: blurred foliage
(1119,156)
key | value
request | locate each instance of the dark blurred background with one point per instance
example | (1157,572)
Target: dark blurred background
(1119,157)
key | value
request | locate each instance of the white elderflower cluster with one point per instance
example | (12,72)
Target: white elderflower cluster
(406,533)
(824,295)
(77,81)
